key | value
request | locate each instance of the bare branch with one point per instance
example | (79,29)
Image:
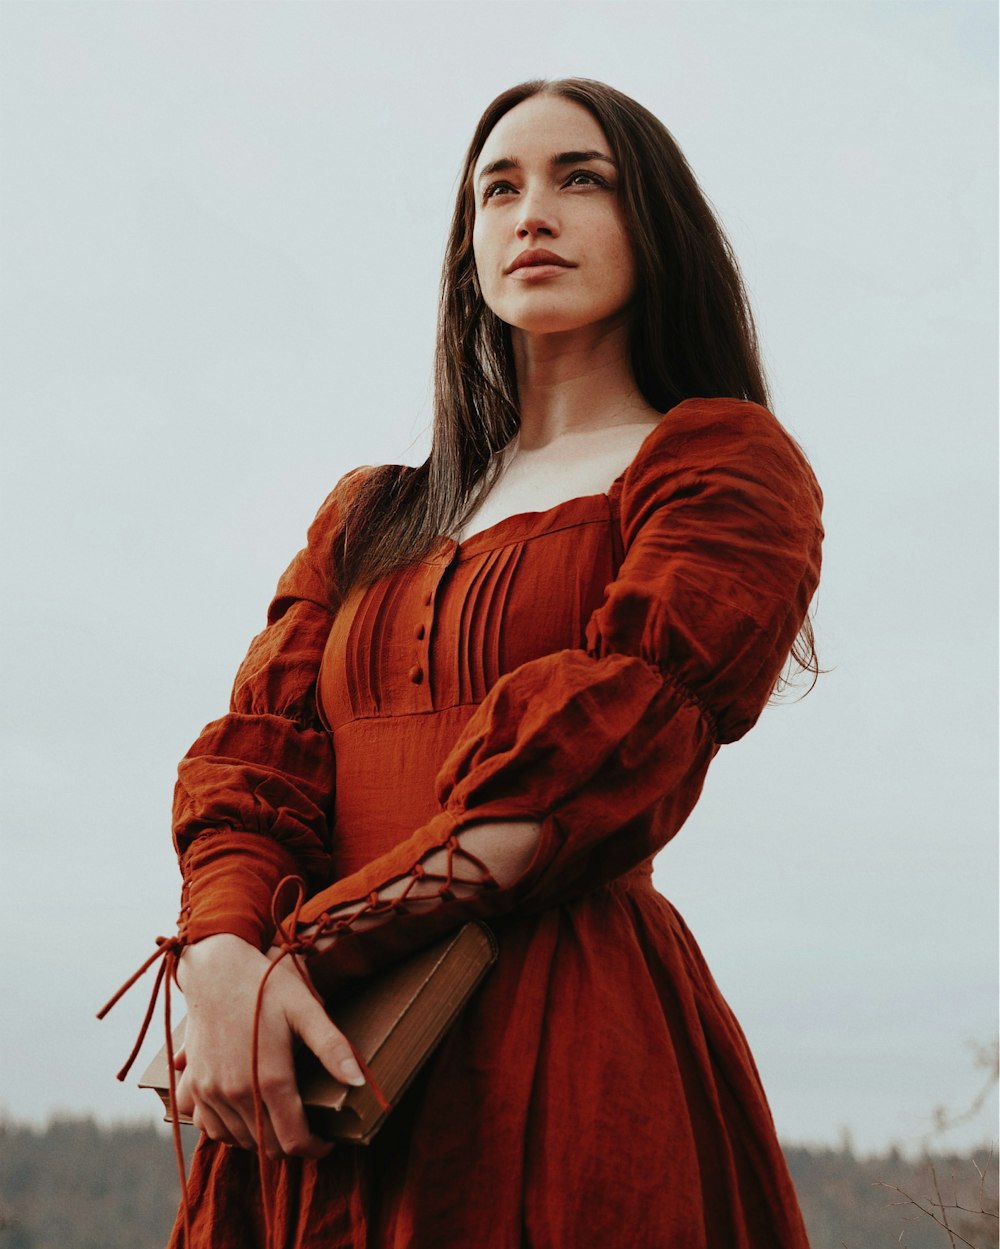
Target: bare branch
(985,1058)
(941,1206)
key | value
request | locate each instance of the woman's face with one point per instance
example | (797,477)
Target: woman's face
(569,208)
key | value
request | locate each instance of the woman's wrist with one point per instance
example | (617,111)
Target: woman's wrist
(211,951)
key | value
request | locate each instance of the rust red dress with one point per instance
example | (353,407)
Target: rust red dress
(579,666)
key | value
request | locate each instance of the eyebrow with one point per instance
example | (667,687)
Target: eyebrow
(561,158)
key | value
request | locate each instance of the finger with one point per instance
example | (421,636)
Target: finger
(207,1121)
(327,1042)
(240,1132)
(263,1134)
(287,1117)
(266,1137)
(185,1096)
(222,1111)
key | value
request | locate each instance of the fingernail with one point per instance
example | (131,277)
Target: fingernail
(353,1072)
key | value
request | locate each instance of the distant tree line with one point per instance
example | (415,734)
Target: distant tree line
(936,1201)
(78,1185)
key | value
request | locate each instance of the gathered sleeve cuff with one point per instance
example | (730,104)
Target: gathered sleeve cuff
(255,792)
(606,746)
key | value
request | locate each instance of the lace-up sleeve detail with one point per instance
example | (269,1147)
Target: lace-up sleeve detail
(606,747)
(253,793)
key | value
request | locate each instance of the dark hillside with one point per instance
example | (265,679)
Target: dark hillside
(894,1201)
(76,1185)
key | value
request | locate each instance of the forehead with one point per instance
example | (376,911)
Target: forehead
(534,129)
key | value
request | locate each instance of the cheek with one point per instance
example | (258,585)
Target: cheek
(614,249)
(481,254)
(482,242)
(617,274)
(625,260)
(627,271)
(622,241)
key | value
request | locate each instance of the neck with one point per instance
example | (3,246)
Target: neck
(575,382)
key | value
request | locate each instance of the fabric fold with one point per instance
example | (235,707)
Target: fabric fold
(255,791)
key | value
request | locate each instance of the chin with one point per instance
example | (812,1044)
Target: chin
(554,320)
(546,325)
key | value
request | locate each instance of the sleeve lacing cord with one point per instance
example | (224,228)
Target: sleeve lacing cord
(374,904)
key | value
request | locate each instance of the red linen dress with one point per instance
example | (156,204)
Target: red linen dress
(579,666)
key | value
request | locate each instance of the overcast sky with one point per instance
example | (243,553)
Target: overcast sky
(222,229)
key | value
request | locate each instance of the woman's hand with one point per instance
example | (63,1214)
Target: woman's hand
(220,977)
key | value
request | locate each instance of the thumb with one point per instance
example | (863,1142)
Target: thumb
(320,1035)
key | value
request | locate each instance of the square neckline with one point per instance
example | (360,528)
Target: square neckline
(528,517)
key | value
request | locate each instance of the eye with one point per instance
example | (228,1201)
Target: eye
(493,187)
(586,173)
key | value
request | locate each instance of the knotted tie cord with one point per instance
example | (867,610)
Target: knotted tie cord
(168,950)
(290,942)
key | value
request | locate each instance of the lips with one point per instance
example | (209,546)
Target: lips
(539,256)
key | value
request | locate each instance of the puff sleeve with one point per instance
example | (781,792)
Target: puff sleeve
(607,745)
(255,791)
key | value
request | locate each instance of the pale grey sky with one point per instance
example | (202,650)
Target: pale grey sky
(222,227)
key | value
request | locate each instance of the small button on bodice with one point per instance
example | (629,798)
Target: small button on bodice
(434,636)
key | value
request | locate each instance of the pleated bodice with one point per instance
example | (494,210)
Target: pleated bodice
(432,639)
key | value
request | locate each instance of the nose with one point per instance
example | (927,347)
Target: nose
(532,227)
(536,217)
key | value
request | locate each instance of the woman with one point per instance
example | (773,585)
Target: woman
(511,667)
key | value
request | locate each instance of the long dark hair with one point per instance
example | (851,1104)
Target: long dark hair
(691,335)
